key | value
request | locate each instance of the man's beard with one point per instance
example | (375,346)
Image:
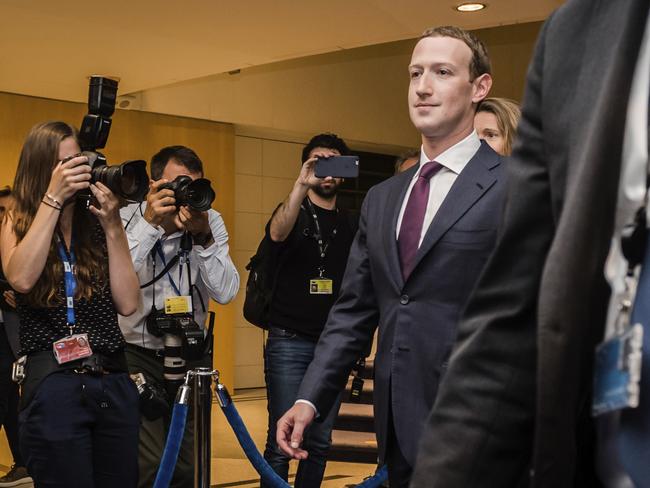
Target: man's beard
(328,193)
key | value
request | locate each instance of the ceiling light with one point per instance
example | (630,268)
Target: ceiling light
(470,7)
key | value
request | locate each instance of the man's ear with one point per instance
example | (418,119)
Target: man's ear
(482,85)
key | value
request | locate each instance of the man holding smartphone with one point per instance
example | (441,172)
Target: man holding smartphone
(307,241)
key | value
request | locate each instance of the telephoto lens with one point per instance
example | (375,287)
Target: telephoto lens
(197,194)
(174,367)
(128,180)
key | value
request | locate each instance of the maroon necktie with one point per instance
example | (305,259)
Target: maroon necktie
(413,218)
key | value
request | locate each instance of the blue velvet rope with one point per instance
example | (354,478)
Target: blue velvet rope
(175,437)
(172,446)
(259,463)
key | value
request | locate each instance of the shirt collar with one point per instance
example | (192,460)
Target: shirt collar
(457,156)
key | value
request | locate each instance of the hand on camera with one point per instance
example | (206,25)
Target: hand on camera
(160,203)
(196,223)
(291,428)
(108,211)
(68,177)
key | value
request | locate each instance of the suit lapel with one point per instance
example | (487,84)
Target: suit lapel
(472,183)
(393,206)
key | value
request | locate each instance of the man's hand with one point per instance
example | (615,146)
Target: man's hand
(291,427)
(196,223)
(160,203)
(306,178)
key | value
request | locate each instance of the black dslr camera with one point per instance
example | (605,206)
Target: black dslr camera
(180,325)
(129,180)
(197,194)
(154,402)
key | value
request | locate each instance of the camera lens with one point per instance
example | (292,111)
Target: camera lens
(199,194)
(128,180)
(133,180)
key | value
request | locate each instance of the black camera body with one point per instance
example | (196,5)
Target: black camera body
(154,401)
(197,194)
(181,325)
(129,180)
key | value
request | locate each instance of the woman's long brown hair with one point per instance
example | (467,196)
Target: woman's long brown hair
(38,158)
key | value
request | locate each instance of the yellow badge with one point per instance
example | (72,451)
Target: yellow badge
(320,286)
(182,304)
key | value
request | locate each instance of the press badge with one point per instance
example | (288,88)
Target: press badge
(617,372)
(320,286)
(72,347)
(180,304)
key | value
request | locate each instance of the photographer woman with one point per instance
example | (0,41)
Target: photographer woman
(71,268)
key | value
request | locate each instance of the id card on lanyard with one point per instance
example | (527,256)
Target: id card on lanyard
(321,285)
(180,303)
(73,346)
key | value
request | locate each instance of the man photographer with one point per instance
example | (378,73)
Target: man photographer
(307,241)
(156,230)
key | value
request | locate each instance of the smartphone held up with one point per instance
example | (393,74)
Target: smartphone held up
(337,167)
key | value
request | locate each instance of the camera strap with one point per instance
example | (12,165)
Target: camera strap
(158,248)
(165,270)
(69,261)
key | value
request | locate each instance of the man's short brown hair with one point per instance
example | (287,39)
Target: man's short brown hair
(480,63)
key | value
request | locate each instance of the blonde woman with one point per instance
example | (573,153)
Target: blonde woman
(496,123)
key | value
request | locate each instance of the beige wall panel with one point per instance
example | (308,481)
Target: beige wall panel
(247,226)
(248,346)
(249,376)
(248,193)
(248,155)
(281,159)
(274,191)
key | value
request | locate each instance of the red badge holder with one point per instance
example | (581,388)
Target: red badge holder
(72,348)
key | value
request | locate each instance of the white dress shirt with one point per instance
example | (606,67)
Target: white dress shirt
(453,160)
(213,272)
(634,170)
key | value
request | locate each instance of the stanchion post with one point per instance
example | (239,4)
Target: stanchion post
(202,429)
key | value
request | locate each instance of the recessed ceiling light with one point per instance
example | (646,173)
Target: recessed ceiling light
(470,7)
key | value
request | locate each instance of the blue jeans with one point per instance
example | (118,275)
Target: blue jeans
(286,359)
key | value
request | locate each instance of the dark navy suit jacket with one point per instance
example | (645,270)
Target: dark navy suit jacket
(417,318)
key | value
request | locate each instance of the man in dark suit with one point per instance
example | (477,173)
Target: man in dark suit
(514,408)
(424,236)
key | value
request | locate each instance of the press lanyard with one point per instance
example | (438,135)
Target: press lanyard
(69,261)
(322,246)
(158,248)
